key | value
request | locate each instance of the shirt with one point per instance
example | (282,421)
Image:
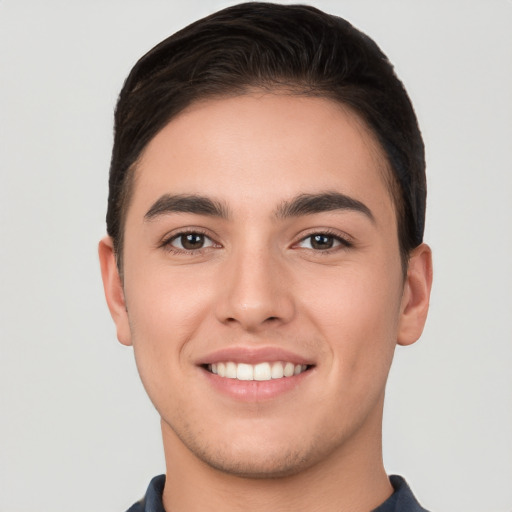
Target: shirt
(402,499)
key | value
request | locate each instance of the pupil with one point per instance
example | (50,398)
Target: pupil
(192,241)
(322,242)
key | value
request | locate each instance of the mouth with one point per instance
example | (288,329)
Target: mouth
(256,374)
(264,371)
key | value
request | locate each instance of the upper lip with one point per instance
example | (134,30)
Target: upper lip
(252,355)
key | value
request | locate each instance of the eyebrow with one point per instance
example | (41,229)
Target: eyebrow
(184,203)
(304,204)
(308,204)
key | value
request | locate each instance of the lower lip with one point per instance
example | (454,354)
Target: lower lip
(255,390)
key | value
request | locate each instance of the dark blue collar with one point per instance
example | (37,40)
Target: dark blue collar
(402,500)
(152,502)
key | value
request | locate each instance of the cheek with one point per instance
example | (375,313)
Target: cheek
(165,310)
(165,301)
(357,313)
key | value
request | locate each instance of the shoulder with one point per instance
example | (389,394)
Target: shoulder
(402,500)
(152,501)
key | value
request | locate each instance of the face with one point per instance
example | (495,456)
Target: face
(263,291)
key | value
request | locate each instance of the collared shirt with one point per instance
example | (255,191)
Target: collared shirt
(402,500)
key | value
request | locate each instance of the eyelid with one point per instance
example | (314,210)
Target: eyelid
(345,240)
(166,241)
(208,241)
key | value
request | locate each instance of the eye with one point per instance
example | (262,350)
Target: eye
(190,241)
(323,242)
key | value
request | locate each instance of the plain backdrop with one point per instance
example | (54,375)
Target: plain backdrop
(77,432)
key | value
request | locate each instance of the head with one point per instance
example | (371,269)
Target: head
(297,49)
(265,216)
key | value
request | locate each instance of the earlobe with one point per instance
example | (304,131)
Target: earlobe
(113,288)
(416,295)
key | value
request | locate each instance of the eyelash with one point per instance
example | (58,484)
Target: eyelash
(344,242)
(167,242)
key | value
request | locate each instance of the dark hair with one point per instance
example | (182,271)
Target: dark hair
(262,45)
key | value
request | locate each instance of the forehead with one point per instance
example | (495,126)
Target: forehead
(265,147)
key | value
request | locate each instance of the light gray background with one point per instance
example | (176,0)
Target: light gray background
(77,432)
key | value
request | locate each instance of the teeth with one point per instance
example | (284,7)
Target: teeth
(289,369)
(244,372)
(260,371)
(231,370)
(277,371)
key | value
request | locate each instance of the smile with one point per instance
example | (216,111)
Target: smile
(260,372)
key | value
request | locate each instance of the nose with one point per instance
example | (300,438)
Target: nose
(254,291)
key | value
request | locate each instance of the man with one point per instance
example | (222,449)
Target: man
(265,256)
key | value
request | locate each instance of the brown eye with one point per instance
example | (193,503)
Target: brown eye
(322,242)
(191,241)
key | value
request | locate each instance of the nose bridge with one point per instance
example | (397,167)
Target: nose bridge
(254,288)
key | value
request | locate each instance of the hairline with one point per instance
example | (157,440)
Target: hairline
(376,148)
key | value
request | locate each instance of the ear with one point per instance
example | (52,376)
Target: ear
(416,296)
(113,287)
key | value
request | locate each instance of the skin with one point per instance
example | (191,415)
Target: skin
(259,282)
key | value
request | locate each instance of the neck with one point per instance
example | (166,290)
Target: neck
(351,478)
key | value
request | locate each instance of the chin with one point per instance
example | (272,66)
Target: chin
(264,464)
(258,457)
